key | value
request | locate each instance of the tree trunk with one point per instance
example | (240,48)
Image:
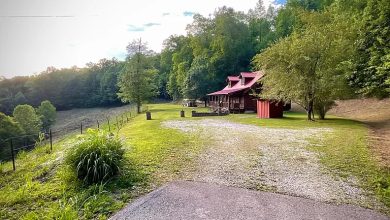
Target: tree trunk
(138,107)
(310,112)
(322,112)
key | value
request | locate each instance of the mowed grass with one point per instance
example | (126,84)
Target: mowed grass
(43,188)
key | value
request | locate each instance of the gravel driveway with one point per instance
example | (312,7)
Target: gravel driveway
(275,159)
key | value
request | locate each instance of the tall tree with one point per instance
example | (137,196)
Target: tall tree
(230,51)
(135,83)
(309,67)
(261,28)
(181,58)
(197,82)
(288,19)
(372,74)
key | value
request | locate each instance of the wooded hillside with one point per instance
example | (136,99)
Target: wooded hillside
(222,44)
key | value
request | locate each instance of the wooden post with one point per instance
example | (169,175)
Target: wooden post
(51,141)
(108,122)
(182,114)
(12,154)
(98,124)
(228,102)
(148,115)
(81,128)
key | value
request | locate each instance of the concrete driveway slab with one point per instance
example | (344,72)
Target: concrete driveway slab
(197,200)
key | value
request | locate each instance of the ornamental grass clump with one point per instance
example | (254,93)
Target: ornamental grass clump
(97,157)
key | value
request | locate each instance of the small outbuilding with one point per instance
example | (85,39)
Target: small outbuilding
(269,109)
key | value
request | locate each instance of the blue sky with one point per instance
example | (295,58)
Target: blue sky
(36,34)
(280,2)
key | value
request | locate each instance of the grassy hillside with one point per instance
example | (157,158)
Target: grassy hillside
(43,188)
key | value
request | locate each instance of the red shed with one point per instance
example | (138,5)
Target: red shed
(269,109)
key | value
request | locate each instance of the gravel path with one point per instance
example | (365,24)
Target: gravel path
(273,159)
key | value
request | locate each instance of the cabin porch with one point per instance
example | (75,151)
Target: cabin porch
(235,104)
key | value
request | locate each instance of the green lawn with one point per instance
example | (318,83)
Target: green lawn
(43,188)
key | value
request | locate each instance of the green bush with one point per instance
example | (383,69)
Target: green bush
(47,113)
(97,157)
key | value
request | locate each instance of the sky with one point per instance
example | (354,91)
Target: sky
(35,34)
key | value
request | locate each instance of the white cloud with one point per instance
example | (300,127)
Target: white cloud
(62,33)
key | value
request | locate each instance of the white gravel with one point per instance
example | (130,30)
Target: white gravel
(276,159)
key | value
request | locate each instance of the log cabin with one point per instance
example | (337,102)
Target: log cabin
(237,95)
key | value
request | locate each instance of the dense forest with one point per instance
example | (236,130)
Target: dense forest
(214,47)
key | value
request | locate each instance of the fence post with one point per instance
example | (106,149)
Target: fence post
(148,115)
(81,128)
(98,124)
(12,154)
(51,141)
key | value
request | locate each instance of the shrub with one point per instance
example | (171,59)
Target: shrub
(97,157)
(28,119)
(8,128)
(47,113)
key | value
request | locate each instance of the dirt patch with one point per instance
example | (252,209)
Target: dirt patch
(376,114)
(268,158)
(69,121)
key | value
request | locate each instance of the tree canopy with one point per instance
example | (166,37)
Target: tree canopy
(215,46)
(372,73)
(27,118)
(9,127)
(47,113)
(92,86)
(135,82)
(308,67)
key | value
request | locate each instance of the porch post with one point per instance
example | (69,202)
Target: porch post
(228,102)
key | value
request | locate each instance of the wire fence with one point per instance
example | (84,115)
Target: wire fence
(10,147)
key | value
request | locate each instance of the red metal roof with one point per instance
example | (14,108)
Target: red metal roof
(238,87)
(233,78)
(248,75)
